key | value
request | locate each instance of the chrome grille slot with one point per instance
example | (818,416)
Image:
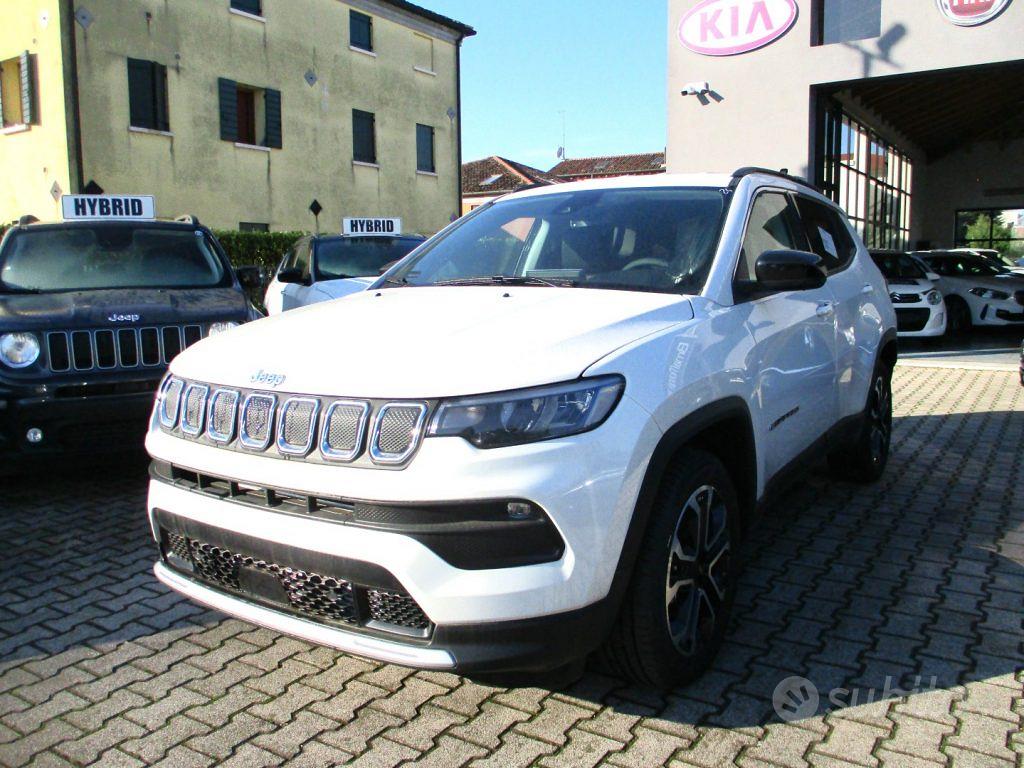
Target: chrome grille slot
(172,342)
(170,402)
(220,419)
(343,430)
(106,355)
(257,421)
(81,350)
(149,340)
(128,347)
(193,410)
(296,425)
(60,354)
(396,432)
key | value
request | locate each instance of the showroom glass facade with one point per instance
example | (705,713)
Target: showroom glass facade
(999,228)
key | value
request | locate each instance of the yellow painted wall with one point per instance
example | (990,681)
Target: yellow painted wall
(32,160)
(193,171)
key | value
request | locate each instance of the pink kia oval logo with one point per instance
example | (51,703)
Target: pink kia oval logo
(968,13)
(729,27)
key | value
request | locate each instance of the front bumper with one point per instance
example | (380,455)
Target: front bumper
(494,619)
(100,416)
(920,320)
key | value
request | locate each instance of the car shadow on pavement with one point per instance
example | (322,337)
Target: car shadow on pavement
(849,594)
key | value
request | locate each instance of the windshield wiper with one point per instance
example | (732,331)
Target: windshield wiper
(555,282)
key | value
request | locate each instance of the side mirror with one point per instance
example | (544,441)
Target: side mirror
(293,275)
(789,271)
(250,276)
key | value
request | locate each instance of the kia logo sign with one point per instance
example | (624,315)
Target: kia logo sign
(729,27)
(968,13)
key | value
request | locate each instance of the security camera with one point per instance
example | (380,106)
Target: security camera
(696,89)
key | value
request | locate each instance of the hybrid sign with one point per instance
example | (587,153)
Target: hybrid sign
(969,13)
(100,207)
(372,226)
(731,27)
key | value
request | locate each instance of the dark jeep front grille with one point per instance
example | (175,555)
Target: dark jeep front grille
(307,593)
(110,348)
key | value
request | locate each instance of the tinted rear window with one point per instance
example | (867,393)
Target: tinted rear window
(109,256)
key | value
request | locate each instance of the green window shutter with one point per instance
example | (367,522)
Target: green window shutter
(163,121)
(228,93)
(272,110)
(28,90)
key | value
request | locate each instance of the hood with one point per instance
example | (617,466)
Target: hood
(91,309)
(433,342)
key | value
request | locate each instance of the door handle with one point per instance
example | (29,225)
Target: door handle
(824,309)
(868,288)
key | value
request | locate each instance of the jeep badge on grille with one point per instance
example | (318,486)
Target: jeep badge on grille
(271,380)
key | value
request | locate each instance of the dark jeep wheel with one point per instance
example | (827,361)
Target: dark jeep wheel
(676,610)
(864,460)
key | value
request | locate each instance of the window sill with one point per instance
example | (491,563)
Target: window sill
(364,164)
(257,147)
(363,51)
(16,128)
(424,71)
(150,131)
(247,15)
(426,173)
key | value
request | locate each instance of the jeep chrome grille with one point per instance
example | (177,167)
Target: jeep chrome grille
(319,430)
(111,348)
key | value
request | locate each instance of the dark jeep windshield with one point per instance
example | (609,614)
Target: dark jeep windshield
(359,256)
(108,256)
(652,239)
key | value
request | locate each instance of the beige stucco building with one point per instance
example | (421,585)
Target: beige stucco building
(907,112)
(242,112)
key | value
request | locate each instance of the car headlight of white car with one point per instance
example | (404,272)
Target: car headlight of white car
(216,328)
(19,350)
(934,298)
(529,415)
(990,293)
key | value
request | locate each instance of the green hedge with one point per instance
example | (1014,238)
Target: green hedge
(262,249)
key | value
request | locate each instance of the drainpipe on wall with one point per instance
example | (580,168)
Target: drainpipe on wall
(74,114)
(458,116)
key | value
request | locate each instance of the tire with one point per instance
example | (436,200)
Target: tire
(865,458)
(676,609)
(959,316)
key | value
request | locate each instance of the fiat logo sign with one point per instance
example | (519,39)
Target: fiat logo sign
(968,13)
(730,27)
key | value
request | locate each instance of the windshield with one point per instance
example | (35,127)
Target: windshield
(358,256)
(108,256)
(631,239)
(895,266)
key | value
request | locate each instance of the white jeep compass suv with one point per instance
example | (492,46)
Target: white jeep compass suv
(543,433)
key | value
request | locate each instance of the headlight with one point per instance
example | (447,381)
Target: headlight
(19,350)
(989,293)
(529,415)
(934,297)
(216,328)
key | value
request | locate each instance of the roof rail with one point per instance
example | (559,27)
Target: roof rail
(739,173)
(27,219)
(188,218)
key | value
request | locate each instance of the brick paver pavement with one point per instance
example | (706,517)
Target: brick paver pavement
(916,583)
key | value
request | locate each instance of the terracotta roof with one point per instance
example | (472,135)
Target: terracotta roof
(497,176)
(613,165)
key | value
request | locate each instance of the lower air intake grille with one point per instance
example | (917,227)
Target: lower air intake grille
(306,593)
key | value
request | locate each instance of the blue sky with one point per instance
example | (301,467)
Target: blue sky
(602,62)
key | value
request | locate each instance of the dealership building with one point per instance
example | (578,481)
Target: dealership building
(909,113)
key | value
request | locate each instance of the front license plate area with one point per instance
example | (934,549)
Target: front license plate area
(261,584)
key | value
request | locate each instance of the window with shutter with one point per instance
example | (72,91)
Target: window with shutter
(272,115)
(360,27)
(228,98)
(147,95)
(17,91)
(424,148)
(28,88)
(364,145)
(248,6)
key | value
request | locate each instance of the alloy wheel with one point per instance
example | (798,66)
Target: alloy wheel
(880,419)
(699,562)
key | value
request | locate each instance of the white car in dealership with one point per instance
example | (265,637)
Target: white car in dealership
(544,432)
(976,291)
(920,308)
(323,267)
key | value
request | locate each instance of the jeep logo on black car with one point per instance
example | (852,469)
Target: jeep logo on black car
(119,318)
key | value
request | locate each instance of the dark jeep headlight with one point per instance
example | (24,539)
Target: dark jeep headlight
(19,350)
(528,415)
